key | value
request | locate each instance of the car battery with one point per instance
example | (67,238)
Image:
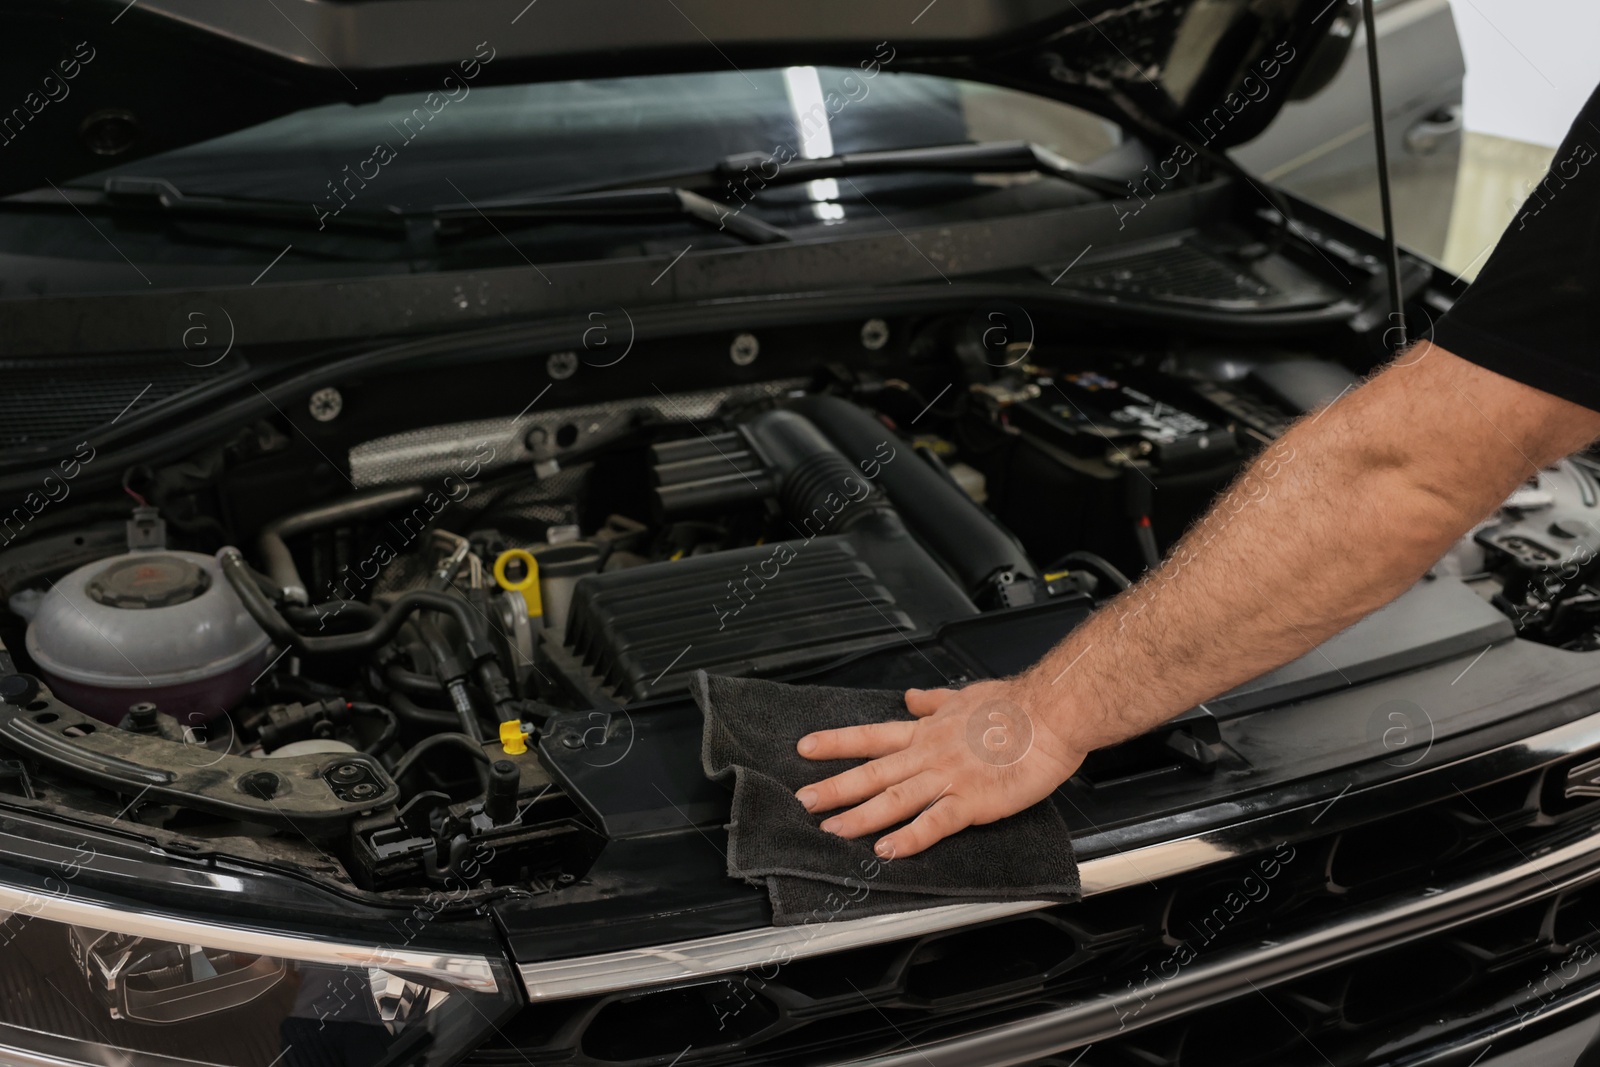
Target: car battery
(1097,417)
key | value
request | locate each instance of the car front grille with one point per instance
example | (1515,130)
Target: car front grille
(1108,960)
(1510,968)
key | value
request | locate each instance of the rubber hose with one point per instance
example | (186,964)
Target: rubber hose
(813,470)
(397,677)
(275,552)
(321,614)
(277,627)
(943,518)
(415,714)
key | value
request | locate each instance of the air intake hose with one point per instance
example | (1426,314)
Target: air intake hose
(818,488)
(951,524)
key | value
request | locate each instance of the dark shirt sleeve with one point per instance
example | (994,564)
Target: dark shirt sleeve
(1533,314)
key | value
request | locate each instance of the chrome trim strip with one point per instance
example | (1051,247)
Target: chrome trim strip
(768,946)
(11,1056)
(474,973)
(680,960)
(725,953)
(1142,866)
(1182,853)
(1204,983)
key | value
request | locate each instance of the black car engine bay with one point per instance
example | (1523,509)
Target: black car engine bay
(369,687)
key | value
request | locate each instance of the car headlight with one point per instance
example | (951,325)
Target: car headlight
(82,982)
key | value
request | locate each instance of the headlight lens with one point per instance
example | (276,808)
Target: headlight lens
(82,982)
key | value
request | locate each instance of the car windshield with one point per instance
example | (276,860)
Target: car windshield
(419,150)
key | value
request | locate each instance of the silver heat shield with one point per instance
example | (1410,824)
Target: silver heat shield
(534,436)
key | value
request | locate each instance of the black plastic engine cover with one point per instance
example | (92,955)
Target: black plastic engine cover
(762,610)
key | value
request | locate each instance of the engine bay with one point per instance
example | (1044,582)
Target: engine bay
(311,644)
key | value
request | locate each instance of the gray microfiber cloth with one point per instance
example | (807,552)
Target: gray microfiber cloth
(751,727)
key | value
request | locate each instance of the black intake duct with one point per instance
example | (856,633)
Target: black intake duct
(852,578)
(978,551)
(817,486)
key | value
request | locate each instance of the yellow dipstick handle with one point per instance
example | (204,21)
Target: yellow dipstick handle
(527,585)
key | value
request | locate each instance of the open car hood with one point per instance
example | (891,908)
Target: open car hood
(88,84)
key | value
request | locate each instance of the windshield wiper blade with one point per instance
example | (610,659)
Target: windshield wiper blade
(126,193)
(130,193)
(621,203)
(982,157)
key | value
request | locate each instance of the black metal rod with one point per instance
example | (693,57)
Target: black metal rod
(1397,306)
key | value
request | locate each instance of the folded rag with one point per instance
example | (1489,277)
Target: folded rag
(751,727)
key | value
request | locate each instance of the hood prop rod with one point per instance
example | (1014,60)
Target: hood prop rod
(1397,312)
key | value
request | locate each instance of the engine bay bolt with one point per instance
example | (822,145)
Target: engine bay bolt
(363,791)
(874,334)
(562,365)
(18,689)
(744,350)
(345,773)
(142,717)
(326,404)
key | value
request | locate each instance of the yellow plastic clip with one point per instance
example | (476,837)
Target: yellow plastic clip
(527,585)
(511,738)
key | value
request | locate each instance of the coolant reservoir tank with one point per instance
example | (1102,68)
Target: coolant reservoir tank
(159,626)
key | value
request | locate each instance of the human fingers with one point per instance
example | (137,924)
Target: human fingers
(896,804)
(921,702)
(945,816)
(852,742)
(858,783)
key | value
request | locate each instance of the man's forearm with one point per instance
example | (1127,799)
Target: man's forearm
(1344,513)
(1333,521)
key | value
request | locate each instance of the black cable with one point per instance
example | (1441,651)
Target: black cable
(391,726)
(1095,562)
(451,675)
(428,744)
(415,714)
(1397,306)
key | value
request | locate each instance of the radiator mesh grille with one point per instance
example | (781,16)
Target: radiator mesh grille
(1180,272)
(49,401)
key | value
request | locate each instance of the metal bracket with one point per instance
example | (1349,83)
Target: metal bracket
(315,795)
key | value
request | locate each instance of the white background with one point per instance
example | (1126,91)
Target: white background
(1530,65)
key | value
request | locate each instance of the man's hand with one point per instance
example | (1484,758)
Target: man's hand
(973,756)
(1341,515)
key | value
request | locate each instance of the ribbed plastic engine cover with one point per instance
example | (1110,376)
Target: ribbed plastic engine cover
(765,610)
